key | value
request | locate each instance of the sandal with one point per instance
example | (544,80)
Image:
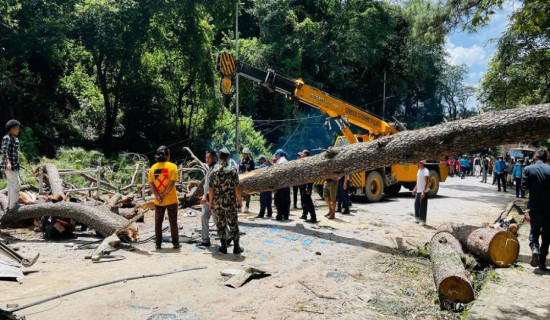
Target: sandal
(331,217)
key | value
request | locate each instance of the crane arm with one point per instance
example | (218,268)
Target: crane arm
(339,110)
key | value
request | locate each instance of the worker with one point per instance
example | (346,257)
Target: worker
(536,179)
(330,188)
(225,198)
(517,171)
(420,192)
(266,196)
(163,176)
(296,189)
(210,160)
(343,194)
(485,169)
(306,192)
(500,169)
(282,196)
(464,166)
(10,163)
(247,165)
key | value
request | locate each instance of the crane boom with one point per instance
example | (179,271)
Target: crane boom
(295,89)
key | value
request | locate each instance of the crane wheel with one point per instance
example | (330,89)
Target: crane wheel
(374,186)
(433,182)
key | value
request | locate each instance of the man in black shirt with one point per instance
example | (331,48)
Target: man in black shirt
(536,178)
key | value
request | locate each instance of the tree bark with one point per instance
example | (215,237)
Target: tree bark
(498,247)
(105,223)
(453,282)
(486,130)
(54,181)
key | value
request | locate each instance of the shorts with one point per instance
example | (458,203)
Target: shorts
(330,189)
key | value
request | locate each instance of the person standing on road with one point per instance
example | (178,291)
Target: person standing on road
(225,199)
(516,175)
(421,193)
(10,163)
(464,166)
(247,165)
(296,189)
(282,196)
(500,169)
(477,166)
(485,168)
(536,179)
(266,196)
(306,191)
(163,176)
(330,189)
(343,195)
(206,212)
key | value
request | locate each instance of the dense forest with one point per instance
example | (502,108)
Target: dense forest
(129,75)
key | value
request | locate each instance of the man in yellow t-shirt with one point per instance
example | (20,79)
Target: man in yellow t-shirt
(163,176)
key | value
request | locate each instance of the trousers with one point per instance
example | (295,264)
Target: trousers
(265,203)
(282,203)
(501,178)
(227,219)
(519,189)
(421,206)
(307,205)
(13,187)
(540,228)
(172,219)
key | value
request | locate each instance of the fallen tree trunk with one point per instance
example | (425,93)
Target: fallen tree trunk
(105,223)
(453,282)
(486,130)
(498,247)
(54,181)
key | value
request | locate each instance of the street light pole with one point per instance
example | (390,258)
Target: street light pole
(237,129)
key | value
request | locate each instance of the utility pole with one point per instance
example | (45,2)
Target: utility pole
(383,98)
(237,124)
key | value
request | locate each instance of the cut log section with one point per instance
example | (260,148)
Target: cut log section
(498,247)
(105,223)
(486,130)
(453,282)
(54,181)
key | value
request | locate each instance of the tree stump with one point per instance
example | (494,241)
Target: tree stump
(451,279)
(498,247)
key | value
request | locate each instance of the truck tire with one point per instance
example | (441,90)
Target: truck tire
(433,182)
(374,186)
(393,189)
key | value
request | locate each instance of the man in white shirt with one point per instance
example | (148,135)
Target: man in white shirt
(421,193)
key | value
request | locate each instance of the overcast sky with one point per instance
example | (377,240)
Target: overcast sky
(476,49)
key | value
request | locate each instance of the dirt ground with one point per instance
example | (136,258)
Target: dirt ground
(365,266)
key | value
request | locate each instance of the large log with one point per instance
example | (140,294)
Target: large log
(453,282)
(498,247)
(105,223)
(486,130)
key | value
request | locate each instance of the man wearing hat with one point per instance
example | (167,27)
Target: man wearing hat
(10,162)
(516,175)
(266,196)
(247,165)
(225,198)
(282,196)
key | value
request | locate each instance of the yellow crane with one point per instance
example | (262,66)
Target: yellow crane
(372,183)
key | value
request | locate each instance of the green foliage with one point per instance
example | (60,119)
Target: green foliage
(29,143)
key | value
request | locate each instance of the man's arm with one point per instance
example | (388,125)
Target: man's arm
(211,198)
(168,188)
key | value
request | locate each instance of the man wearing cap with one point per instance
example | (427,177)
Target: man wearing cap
(305,193)
(420,192)
(206,212)
(266,196)
(225,198)
(10,162)
(247,165)
(282,196)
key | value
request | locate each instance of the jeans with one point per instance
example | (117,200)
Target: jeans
(172,219)
(540,227)
(421,206)
(519,189)
(13,187)
(265,203)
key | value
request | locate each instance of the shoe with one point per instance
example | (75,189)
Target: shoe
(416,220)
(237,249)
(422,223)
(246,210)
(304,217)
(535,257)
(295,207)
(223,247)
(278,218)
(205,244)
(177,246)
(312,221)
(338,210)
(269,216)
(346,211)
(158,247)
(259,217)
